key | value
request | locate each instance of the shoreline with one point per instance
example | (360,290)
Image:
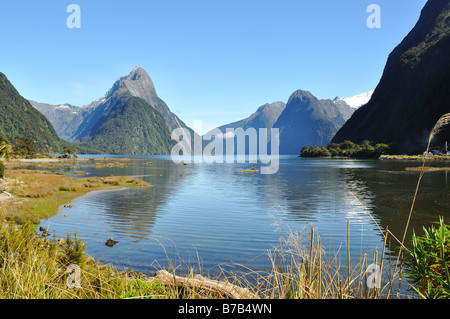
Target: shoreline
(68,160)
(126,283)
(43,192)
(20,217)
(416,157)
(386,157)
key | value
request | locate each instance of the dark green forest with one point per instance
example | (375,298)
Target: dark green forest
(347,149)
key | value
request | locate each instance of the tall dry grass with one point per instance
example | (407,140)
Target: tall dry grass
(307,271)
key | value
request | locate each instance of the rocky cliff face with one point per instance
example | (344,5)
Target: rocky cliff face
(414,90)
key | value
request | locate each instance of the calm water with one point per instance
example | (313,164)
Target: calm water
(209,214)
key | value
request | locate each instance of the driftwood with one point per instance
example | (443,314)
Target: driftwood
(3,190)
(199,282)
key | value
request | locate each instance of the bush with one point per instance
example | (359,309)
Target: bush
(24,147)
(2,170)
(73,251)
(428,260)
(315,151)
(347,145)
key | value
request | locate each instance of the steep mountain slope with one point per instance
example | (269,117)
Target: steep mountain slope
(20,119)
(128,125)
(414,90)
(308,121)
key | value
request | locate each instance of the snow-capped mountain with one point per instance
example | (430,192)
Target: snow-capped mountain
(357,100)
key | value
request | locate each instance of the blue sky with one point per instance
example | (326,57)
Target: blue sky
(215,61)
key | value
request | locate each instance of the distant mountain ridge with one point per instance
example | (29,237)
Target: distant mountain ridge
(138,83)
(264,117)
(308,121)
(88,124)
(60,116)
(414,90)
(303,121)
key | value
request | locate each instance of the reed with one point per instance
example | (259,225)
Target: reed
(443,121)
(305,271)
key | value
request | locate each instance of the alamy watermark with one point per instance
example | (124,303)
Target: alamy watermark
(374,279)
(230,147)
(74,276)
(74,19)
(374,19)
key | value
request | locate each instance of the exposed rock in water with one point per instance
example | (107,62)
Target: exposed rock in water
(111,242)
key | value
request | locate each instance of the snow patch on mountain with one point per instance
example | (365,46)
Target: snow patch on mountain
(358,100)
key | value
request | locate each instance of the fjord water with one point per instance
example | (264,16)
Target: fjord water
(212,217)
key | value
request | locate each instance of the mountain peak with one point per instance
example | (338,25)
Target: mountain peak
(303,93)
(303,96)
(137,73)
(138,83)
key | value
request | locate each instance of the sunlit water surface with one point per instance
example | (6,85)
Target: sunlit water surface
(212,217)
